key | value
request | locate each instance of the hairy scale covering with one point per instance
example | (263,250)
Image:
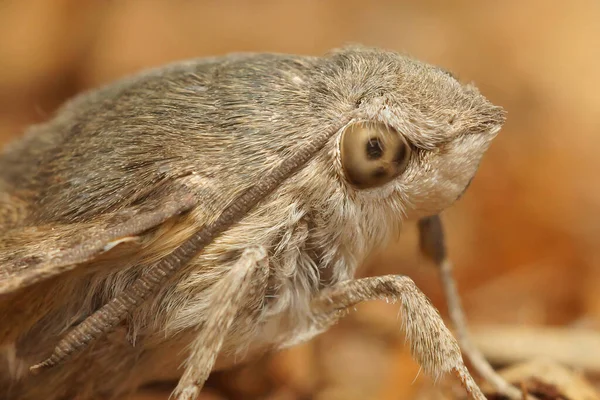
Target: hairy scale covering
(218,125)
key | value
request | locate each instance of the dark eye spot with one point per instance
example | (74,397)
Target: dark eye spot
(400,155)
(374,149)
(380,172)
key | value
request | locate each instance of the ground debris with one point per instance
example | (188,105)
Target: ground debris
(547,380)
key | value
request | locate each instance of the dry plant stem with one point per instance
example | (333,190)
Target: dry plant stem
(524,391)
(457,316)
(111,314)
(247,280)
(433,246)
(432,344)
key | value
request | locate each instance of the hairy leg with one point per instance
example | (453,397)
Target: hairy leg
(245,282)
(432,344)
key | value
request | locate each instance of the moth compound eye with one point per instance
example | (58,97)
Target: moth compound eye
(373,154)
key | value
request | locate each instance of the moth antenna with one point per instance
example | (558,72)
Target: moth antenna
(112,313)
(433,246)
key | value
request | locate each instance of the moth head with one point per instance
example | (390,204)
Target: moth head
(416,136)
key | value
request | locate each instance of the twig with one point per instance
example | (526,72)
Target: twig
(431,235)
(480,364)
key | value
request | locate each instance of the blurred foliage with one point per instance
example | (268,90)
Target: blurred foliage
(524,237)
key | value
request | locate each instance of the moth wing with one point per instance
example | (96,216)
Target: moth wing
(32,254)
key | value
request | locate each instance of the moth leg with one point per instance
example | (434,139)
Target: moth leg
(432,344)
(433,247)
(241,290)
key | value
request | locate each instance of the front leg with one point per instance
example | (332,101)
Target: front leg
(432,344)
(245,282)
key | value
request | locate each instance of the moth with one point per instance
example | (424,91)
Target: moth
(205,212)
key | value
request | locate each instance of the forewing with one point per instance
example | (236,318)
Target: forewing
(32,254)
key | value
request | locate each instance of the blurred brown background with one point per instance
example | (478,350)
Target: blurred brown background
(524,237)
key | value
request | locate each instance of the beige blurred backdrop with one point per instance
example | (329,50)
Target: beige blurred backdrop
(524,237)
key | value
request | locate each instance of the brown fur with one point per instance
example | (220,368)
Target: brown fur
(215,127)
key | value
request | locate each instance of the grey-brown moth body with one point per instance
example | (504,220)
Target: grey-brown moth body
(125,174)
